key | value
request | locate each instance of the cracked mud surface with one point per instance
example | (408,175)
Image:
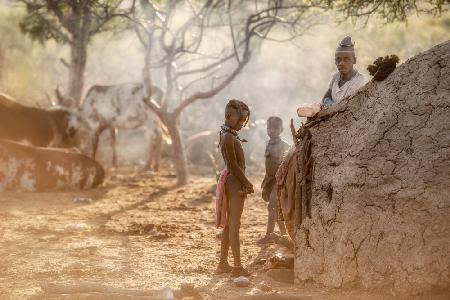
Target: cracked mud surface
(381,187)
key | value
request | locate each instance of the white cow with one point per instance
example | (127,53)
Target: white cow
(121,106)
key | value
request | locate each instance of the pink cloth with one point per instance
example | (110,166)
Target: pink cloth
(308,110)
(221,200)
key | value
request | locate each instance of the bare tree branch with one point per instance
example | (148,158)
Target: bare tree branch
(236,54)
(187,86)
(206,68)
(214,91)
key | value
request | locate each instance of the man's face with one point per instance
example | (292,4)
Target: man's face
(344,62)
(274,131)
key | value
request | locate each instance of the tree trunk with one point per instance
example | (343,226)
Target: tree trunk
(78,57)
(78,52)
(156,142)
(179,156)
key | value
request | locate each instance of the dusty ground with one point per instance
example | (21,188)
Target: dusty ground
(137,231)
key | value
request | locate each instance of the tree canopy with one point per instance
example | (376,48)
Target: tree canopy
(65,20)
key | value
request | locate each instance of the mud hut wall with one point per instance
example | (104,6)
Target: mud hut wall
(381,188)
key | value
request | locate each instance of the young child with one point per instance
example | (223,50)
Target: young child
(275,150)
(233,187)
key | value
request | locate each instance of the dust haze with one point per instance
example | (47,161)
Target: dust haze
(281,76)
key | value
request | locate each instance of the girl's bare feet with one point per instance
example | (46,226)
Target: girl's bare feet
(239,271)
(223,268)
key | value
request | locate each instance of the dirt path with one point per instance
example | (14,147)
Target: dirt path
(137,231)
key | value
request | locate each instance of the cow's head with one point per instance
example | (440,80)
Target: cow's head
(71,124)
(68,126)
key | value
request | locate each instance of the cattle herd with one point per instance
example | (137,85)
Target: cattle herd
(56,147)
(39,147)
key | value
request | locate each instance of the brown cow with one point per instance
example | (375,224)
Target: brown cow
(30,168)
(40,127)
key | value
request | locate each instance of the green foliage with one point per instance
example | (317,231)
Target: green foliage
(39,26)
(66,20)
(387,10)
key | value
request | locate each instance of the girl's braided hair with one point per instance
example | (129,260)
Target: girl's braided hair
(238,106)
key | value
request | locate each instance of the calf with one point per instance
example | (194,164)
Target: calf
(39,127)
(120,106)
(30,168)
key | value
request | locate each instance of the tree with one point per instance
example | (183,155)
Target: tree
(181,38)
(72,22)
(388,10)
(193,48)
(202,46)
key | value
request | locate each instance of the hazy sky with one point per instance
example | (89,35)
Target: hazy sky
(279,78)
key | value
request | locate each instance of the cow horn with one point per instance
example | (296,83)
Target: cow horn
(65,101)
(58,94)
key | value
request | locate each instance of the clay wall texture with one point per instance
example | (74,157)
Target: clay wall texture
(380,204)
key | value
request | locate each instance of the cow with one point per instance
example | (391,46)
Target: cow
(120,106)
(34,169)
(55,127)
